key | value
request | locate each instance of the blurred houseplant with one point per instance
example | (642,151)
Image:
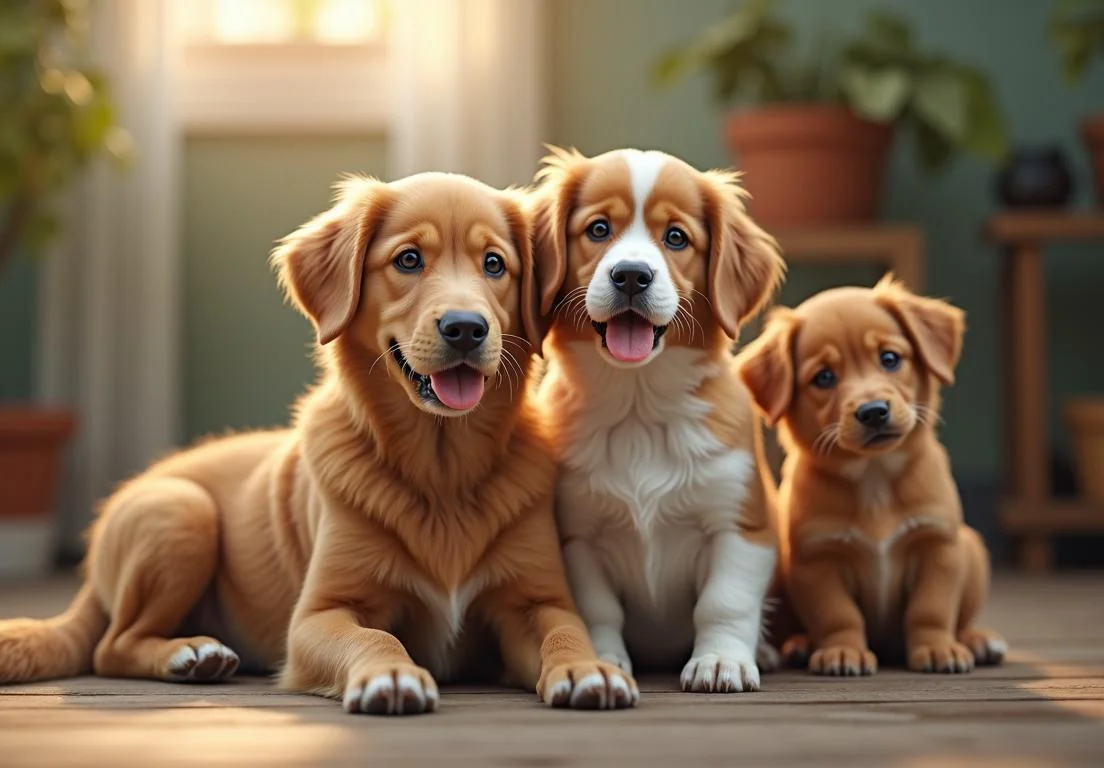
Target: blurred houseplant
(814,139)
(55,117)
(1077,29)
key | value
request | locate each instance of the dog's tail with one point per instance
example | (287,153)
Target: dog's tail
(32,649)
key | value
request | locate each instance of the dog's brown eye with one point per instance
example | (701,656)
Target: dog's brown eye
(599,230)
(494,265)
(825,378)
(409,260)
(890,360)
(675,239)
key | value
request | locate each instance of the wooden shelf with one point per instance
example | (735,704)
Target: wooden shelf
(1021,226)
(896,247)
(1053,516)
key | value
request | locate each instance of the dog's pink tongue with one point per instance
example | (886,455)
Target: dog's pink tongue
(459,388)
(629,337)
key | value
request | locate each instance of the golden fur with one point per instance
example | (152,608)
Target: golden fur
(379,544)
(620,426)
(875,555)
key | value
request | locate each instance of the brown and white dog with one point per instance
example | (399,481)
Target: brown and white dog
(381,543)
(668,537)
(875,555)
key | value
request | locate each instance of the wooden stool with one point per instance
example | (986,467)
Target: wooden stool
(1029,512)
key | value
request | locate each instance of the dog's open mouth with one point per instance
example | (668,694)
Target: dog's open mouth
(459,388)
(629,337)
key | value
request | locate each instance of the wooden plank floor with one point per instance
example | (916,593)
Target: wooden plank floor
(1045,707)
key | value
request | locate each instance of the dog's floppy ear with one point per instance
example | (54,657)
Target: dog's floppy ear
(766,366)
(549,206)
(935,328)
(321,264)
(520,217)
(745,266)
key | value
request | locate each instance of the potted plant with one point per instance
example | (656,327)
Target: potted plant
(55,117)
(1077,29)
(812,135)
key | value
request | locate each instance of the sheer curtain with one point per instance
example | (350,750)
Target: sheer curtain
(109,296)
(467,81)
(469,95)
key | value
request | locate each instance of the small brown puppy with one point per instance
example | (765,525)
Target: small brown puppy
(873,540)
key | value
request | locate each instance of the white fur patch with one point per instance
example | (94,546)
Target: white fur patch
(646,492)
(437,639)
(636,244)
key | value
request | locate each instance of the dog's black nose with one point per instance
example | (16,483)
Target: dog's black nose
(463,331)
(873,415)
(631,277)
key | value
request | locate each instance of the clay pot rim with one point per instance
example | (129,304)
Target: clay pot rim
(19,423)
(805,123)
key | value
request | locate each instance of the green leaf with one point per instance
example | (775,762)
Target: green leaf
(943,102)
(987,136)
(933,149)
(875,94)
(726,45)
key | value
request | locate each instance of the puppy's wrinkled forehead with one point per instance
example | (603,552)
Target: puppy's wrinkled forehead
(446,210)
(848,321)
(628,183)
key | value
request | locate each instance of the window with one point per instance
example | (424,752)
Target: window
(282,65)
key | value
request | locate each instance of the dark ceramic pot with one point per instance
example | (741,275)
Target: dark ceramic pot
(1035,177)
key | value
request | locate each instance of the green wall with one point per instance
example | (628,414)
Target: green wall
(246,353)
(18,286)
(602,53)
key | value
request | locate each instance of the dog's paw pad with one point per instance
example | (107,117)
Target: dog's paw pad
(947,657)
(843,661)
(590,686)
(988,647)
(399,691)
(201,661)
(714,673)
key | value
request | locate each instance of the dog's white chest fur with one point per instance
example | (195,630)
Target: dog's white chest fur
(647,484)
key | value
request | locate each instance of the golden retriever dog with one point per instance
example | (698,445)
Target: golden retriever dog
(875,555)
(404,521)
(664,512)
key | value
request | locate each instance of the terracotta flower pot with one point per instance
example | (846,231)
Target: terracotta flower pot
(809,164)
(1084,418)
(31,444)
(1092,133)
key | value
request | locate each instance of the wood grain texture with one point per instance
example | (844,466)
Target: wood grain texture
(1044,708)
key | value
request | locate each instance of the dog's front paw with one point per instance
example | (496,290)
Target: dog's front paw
(948,656)
(988,647)
(588,685)
(843,661)
(390,689)
(767,658)
(796,651)
(720,673)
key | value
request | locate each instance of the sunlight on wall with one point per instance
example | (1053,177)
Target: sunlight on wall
(282,21)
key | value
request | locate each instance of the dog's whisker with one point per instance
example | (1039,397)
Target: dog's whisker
(390,350)
(827,439)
